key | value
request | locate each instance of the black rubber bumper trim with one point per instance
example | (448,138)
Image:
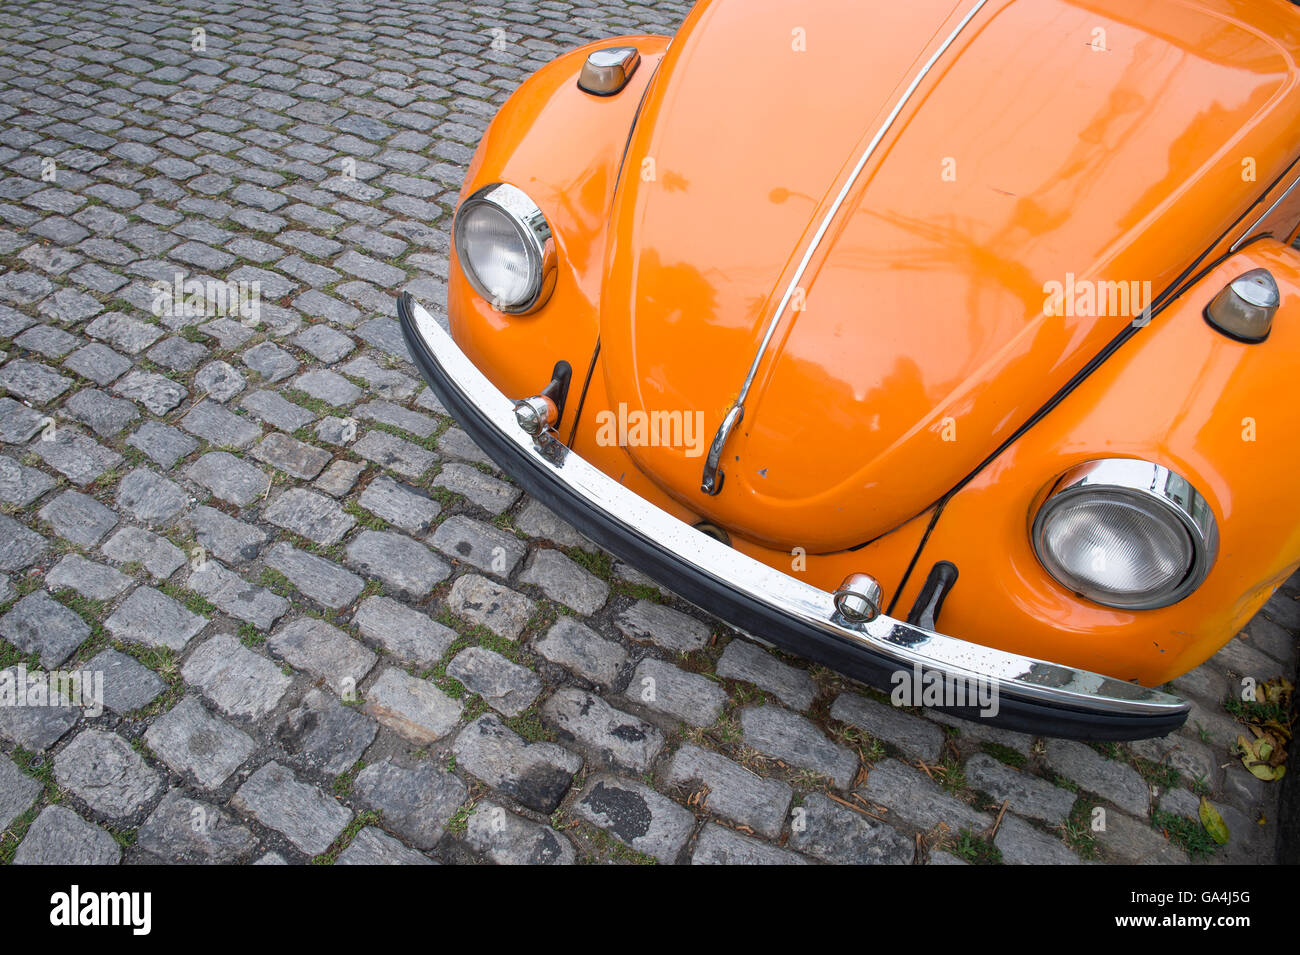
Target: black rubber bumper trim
(739,610)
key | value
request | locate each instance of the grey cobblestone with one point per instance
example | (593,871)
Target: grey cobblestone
(742,660)
(339,478)
(60,837)
(79,518)
(670,629)
(411,707)
(149,498)
(387,413)
(389,451)
(911,734)
(561,579)
(219,427)
(317,578)
(103,414)
(636,815)
(582,650)
(405,566)
(834,833)
(19,546)
(275,410)
(33,381)
(670,690)
(719,845)
(416,803)
(487,492)
(374,847)
(186,831)
(325,652)
(612,737)
(18,792)
(270,361)
(128,684)
(295,458)
(400,505)
(192,741)
(233,595)
(795,740)
(156,393)
(327,386)
(1022,844)
(225,537)
(309,515)
(480,601)
(237,681)
(98,362)
(103,770)
(324,735)
(507,687)
(1110,779)
(164,444)
(535,774)
(41,625)
(229,478)
(481,545)
(1024,794)
(35,728)
(219,380)
(306,816)
(733,791)
(508,839)
(912,798)
(17,421)
(134,545)
(91,580)
(78,458)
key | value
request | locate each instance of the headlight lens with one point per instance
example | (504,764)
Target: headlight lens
(505,248)
(1126,534)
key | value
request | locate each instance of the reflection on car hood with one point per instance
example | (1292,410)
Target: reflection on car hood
(1053,142)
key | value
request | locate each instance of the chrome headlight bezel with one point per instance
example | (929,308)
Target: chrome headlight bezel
(535,234)
(1151,488)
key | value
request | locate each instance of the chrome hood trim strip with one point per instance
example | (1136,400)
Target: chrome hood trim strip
(709,483)
(1247,234)
(904,645)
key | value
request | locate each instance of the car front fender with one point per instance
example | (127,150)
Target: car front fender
(564,148)
(1221,413)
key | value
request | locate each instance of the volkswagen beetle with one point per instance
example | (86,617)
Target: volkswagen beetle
(947,341)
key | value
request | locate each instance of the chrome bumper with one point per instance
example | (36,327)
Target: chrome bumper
(1032,695)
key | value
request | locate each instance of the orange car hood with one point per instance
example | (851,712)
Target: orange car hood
(1053,141)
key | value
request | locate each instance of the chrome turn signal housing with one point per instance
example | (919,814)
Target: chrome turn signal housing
(607,71)
(1244,309)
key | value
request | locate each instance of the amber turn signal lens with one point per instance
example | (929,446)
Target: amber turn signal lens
(607,71)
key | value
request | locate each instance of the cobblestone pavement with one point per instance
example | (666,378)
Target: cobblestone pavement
(327,628)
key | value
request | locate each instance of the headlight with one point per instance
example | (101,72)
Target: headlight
(1126,534)
(505,248)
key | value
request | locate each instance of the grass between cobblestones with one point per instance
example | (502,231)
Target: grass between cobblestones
(1188,835)
(359,822)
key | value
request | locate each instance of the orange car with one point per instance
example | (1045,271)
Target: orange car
(948,344)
